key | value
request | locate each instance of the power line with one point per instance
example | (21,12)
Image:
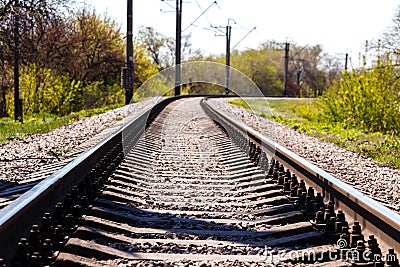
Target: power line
(247,34)
(218,28)
(215,2)
(198,4)
(168,4)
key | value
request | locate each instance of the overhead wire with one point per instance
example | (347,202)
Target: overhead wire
(202,13)
(168,4)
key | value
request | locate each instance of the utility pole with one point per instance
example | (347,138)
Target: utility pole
(127,81)
(178,47)
(286,69)
(228,57)
(345,63)
(17,100)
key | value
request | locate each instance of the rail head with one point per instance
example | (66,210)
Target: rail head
(386,220)
(17,218)
(28,209)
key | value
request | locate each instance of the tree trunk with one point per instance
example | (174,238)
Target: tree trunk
(3,104)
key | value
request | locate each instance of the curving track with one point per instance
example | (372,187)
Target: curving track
(193,192)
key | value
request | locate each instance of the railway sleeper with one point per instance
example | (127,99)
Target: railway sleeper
(296,214)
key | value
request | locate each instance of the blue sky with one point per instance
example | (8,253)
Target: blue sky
(340,26)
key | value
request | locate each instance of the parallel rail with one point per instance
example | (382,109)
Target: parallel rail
(16,189)
(374,218)
(17,218)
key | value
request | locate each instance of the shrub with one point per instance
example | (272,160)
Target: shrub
(368,99)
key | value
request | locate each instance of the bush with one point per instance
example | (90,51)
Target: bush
(368,100)
(44,91)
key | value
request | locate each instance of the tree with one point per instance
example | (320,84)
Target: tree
(390,42)
(68,62)
(310,71)
(305,74)
(96,49)
(143,67)
(154,43)
(34,17)
(5,84)
(261,66)
(161,49)
(367,99)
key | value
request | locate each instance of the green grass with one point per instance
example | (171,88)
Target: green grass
(41,123)
(308,116)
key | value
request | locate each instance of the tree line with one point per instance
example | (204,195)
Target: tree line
(311,70)
(366,97)
(70,58)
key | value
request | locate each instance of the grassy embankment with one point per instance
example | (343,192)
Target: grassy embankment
(308,116)
(41,123)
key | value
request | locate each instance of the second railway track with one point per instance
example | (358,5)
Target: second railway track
(195,192)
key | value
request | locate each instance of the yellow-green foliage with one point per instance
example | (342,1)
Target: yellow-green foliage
(43,91)
(368,100)
(262,67)
(308,116)
(40,123)
(240,102)
(309,109)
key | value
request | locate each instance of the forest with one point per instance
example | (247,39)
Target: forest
(70,59)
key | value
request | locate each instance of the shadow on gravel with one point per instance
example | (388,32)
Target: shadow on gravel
(237,228)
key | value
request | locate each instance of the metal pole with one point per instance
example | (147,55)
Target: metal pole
(127,80)
(345,63)
(228,57)
(286,69)
(178,47)
(17,100)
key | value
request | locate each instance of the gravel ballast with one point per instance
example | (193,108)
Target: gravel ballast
(378,182)
(21,157)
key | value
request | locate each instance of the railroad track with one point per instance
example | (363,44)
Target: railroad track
(13,190)
(195,188)
(9,191)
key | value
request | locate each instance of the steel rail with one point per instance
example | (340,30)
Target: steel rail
(374,218)
(17,218)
